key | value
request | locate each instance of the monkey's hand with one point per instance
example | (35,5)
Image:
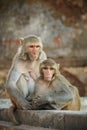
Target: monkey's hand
(29,98)
(25,105)
(33,75)
(37,102)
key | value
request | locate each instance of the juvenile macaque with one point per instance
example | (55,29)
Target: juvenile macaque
(24,71)
(53,91)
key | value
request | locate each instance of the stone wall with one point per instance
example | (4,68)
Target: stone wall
(62,26)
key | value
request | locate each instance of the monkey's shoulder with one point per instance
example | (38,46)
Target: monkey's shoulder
(22,66)
(60,82)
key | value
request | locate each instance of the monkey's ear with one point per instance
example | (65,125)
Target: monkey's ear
(21,40)
(58,66)
(19,50)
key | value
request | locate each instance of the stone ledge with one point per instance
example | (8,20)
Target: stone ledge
(9,126)
(52,119)
(46,119)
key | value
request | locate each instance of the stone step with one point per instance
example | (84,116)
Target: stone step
(10,126)
(53,119)
(45,119)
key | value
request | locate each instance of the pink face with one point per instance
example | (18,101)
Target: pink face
(33,50)
(48,73)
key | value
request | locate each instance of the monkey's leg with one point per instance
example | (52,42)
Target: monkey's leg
(11,115)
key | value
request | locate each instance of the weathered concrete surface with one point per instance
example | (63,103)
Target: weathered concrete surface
(61,24)
(50,119)
(9,126)
(62,120)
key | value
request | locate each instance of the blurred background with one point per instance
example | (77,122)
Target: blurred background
(62,26)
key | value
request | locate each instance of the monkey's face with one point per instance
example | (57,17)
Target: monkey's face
(33,50)
(30,47)
(48,73)
(48,69)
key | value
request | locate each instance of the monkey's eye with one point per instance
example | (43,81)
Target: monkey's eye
(50,68)
(45,68)
(32,46)
(37,46)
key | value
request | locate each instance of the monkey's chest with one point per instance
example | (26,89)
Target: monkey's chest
(25,67)
(32,68)
(25,84)
(43,90)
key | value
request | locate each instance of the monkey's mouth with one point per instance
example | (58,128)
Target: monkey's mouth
(35,53)
(48,77)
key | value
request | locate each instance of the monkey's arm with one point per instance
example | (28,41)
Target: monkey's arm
(37,100)
(63,97)
(58,97)
(13,91)
(62,93)
(55,100)
(40,102)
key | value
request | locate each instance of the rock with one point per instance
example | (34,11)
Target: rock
(47,119)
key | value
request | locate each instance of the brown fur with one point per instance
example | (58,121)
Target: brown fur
(75,104)
(59,93)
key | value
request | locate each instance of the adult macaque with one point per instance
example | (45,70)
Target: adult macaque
(53,91)
(24,71)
